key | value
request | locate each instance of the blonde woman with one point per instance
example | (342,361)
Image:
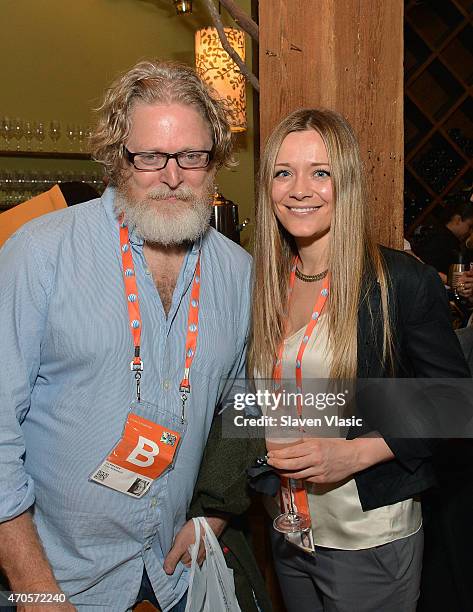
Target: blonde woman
(378,313)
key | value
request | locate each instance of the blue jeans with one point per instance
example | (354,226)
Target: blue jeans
(146,592)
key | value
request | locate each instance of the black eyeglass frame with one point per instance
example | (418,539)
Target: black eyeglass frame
(131,159)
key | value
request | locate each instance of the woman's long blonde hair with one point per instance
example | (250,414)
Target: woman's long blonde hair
(352,250)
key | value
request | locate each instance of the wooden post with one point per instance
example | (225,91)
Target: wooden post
(346,55)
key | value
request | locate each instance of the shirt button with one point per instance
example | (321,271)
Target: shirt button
(154,502)
(147,271)
(166,384)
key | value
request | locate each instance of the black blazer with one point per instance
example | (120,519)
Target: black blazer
(425,347)
(465,336)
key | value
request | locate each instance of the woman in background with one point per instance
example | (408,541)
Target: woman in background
(333,304)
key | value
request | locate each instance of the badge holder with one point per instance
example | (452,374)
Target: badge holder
(146,450)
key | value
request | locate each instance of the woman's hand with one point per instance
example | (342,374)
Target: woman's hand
(328,460)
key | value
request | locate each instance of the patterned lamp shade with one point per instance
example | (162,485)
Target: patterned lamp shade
(217,69)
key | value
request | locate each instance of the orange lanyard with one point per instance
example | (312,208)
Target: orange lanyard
(131,295)
(316,312)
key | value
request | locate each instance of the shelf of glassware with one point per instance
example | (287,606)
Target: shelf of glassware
(17,186)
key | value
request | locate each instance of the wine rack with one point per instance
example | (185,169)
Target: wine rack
(438,70)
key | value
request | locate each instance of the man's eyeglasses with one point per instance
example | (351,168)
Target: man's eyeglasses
(150,161)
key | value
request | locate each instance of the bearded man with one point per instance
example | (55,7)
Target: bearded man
(121,319)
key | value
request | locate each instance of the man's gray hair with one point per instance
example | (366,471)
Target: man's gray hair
(156,82)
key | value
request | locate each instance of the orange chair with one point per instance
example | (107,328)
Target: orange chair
(13,219)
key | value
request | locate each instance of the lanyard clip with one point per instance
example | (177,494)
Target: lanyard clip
(138,385)
(136,365)
(185,389)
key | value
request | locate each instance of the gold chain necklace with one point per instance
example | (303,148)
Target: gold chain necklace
(311,278)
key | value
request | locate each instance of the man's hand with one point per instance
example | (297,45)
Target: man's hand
(184,540)
(328,460)
(24,562)
(465,285)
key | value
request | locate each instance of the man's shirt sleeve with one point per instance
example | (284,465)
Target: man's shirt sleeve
(23,308)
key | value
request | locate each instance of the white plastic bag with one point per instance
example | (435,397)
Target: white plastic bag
(211,586)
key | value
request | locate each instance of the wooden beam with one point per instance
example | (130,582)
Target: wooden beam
(227,46)
(346,55)
(241,18)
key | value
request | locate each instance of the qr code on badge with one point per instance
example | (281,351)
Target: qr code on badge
(168,438)
(100,475)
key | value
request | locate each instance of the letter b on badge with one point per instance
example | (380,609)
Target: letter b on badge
(144,452)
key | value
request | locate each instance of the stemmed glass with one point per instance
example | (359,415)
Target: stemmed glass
(278,436)
(71,132)
(18,131)
(7,131)
(38,129)
(29,135)
(81,130)
(292,521)
(54,132)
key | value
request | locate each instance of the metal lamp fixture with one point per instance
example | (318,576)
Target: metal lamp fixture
(217,69)
(183,6)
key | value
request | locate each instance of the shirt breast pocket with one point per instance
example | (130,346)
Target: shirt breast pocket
(218,346)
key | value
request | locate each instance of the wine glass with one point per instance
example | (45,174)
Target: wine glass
(18,131)
(7,131)
(292,521)
(54,132)
(38,129)
(71,132)
(29,134)
(278,436)
(81,136)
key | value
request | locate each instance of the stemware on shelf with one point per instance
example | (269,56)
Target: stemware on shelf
(39,134)
(7,131)
(17,186)
(71,132)
(28,134)
(81,137)
(18,132)
(31,135)
(54,132)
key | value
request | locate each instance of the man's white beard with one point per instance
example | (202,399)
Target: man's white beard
(166,223)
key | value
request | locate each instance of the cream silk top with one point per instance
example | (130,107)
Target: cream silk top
(338,520)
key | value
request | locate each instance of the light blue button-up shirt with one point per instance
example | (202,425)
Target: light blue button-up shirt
(66,388)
